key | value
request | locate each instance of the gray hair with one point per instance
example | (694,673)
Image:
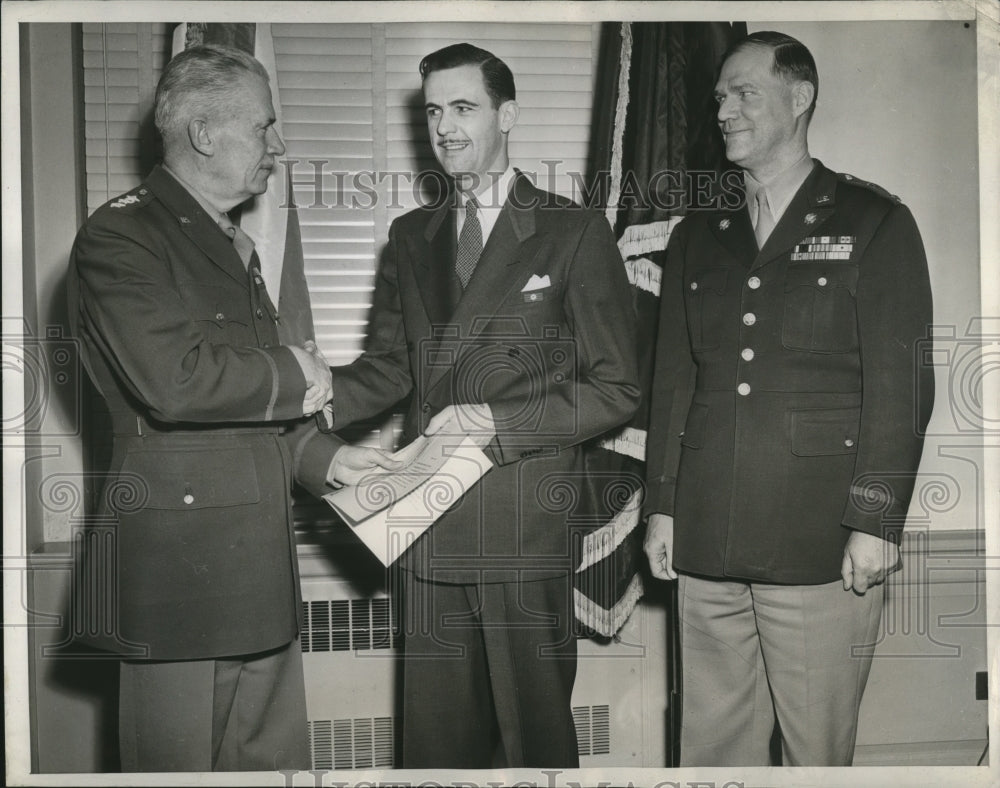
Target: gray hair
(198,82)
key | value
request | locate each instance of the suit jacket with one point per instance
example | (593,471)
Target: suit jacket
(785,406)
(557,366)
(206,408)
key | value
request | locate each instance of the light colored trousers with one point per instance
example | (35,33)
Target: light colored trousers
(235,714)
(754,653)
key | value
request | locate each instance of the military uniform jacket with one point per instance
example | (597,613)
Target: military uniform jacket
(785,403)
(544,333)
(206,408)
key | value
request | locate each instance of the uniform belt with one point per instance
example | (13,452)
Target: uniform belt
(134,425)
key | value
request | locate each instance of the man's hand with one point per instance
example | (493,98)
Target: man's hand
(319,388)
(476,421)
(659,546)
(868,560)
(351,464)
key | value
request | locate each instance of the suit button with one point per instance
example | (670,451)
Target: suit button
(219,316)
(849,443)
(189,499)
(821,281)
(747,354)
(694,285)
(743,389)
(753,282)
(749,319)
(259,313)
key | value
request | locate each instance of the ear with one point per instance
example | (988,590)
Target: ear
(509,112)
(802,97)
(199,136)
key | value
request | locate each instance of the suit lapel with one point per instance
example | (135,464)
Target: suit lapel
(509,249)
(433,254)
(197,225)
(811,206)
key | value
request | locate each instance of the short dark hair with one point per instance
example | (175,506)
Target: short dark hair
(199,80)
(793,61)
(497,78)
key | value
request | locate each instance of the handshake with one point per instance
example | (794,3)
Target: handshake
(353,463)
(316,369)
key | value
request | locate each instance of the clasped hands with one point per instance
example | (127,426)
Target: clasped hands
(316,370)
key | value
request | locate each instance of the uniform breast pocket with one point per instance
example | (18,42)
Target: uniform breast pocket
(703,296)
(214,310)
(820,313)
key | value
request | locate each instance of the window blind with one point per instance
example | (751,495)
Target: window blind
(354,130)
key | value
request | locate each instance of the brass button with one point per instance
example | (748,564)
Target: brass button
(753,282)
(694,285)
(747,354)
(189,499)
(260,313)
(749,319)
(849,443)
(219,316)
(743,389)
(821,281)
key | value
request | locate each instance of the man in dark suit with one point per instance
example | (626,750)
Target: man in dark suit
(505,313)
(785,428)
(180,337)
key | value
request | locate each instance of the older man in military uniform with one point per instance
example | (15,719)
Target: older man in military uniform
(208,412)
(785,427)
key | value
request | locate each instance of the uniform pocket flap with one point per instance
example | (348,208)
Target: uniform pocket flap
(824,432)
(711,280)
(195,479)
(822,277)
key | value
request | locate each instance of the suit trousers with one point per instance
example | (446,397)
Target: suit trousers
(234,714)
(488,664)
(752,653)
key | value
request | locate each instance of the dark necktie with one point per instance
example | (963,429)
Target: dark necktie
(242,241)
(470,243)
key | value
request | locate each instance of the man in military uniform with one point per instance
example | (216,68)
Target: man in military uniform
(785,429)
(208,411)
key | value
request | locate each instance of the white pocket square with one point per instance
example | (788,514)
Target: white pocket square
(536,283)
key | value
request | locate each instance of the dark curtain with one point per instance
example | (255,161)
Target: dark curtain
(671,161)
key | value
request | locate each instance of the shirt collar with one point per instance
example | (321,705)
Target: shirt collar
(780,189)
(210,209)
(491,201)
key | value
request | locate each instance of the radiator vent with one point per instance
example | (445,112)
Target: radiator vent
(593,729)
(347,625)
(363,743)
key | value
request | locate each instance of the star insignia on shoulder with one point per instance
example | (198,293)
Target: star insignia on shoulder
(810,218)
(724,224)
(121,202)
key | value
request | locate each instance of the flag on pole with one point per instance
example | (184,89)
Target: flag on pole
(654,124)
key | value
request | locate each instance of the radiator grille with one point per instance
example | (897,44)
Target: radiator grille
(593,729)
(374,742)
(362,743)
(347,625)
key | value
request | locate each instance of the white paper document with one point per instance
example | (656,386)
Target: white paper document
(388,510)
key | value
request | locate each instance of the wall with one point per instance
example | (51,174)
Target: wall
(898,107)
